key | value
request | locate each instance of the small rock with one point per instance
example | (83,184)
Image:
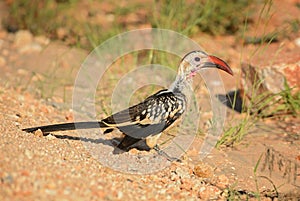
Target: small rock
(28,154)
(22,72)
(50,137)
(7,179)
(182,173)
(51,185)
(50,192)
(42,40)
(38,77)
(38,133)
(25,173)
(110,17)
(203,170)
(260,83)
(133,151)
(209,193)
(120,195)
(23,38)
(61,33)
(222,181)
(186,184)
(174,176)
(297,42)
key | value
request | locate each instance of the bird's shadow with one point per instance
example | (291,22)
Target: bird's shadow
(232,100)
(113,142)
(84,139)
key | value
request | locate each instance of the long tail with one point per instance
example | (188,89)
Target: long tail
(67,126)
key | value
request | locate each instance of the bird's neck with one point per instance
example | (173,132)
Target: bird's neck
(181,85)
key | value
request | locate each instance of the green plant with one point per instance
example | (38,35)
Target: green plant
(233,194)
(262,103)
(34,14)
(95,34)
(271,105)
(215,17)
(255,176)
(235,133)
(46,17)
(290,102)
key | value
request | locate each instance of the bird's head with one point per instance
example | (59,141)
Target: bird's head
(194,61)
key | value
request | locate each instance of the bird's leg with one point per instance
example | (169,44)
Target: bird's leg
(125,144)
(151,141)
(164,154)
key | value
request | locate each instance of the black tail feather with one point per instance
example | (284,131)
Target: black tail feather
(66,126)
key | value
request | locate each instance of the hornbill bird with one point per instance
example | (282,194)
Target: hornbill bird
(147,120)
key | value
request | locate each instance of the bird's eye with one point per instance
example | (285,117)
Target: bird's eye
(197,59)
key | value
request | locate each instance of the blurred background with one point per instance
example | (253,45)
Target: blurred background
(86,23)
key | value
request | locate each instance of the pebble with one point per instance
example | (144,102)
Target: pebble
(38,133)
(23,38)
(297,42)
(8,179)
(186,184)
(22,72)
(174,176)
(223,181)
(38,77)
(120,195)
(110,17)
(182,173)
(209,193)
(50,137)
(61,33)
(203,170)
(28,154)
(50,192)
(42,40)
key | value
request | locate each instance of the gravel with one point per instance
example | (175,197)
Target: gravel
(36,167)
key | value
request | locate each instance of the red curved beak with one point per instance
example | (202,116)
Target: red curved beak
(215,62)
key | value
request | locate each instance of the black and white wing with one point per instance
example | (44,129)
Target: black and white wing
(149,117)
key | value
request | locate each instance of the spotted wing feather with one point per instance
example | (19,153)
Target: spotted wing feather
(149,117)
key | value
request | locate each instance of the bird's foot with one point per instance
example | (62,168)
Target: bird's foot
(164,154)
